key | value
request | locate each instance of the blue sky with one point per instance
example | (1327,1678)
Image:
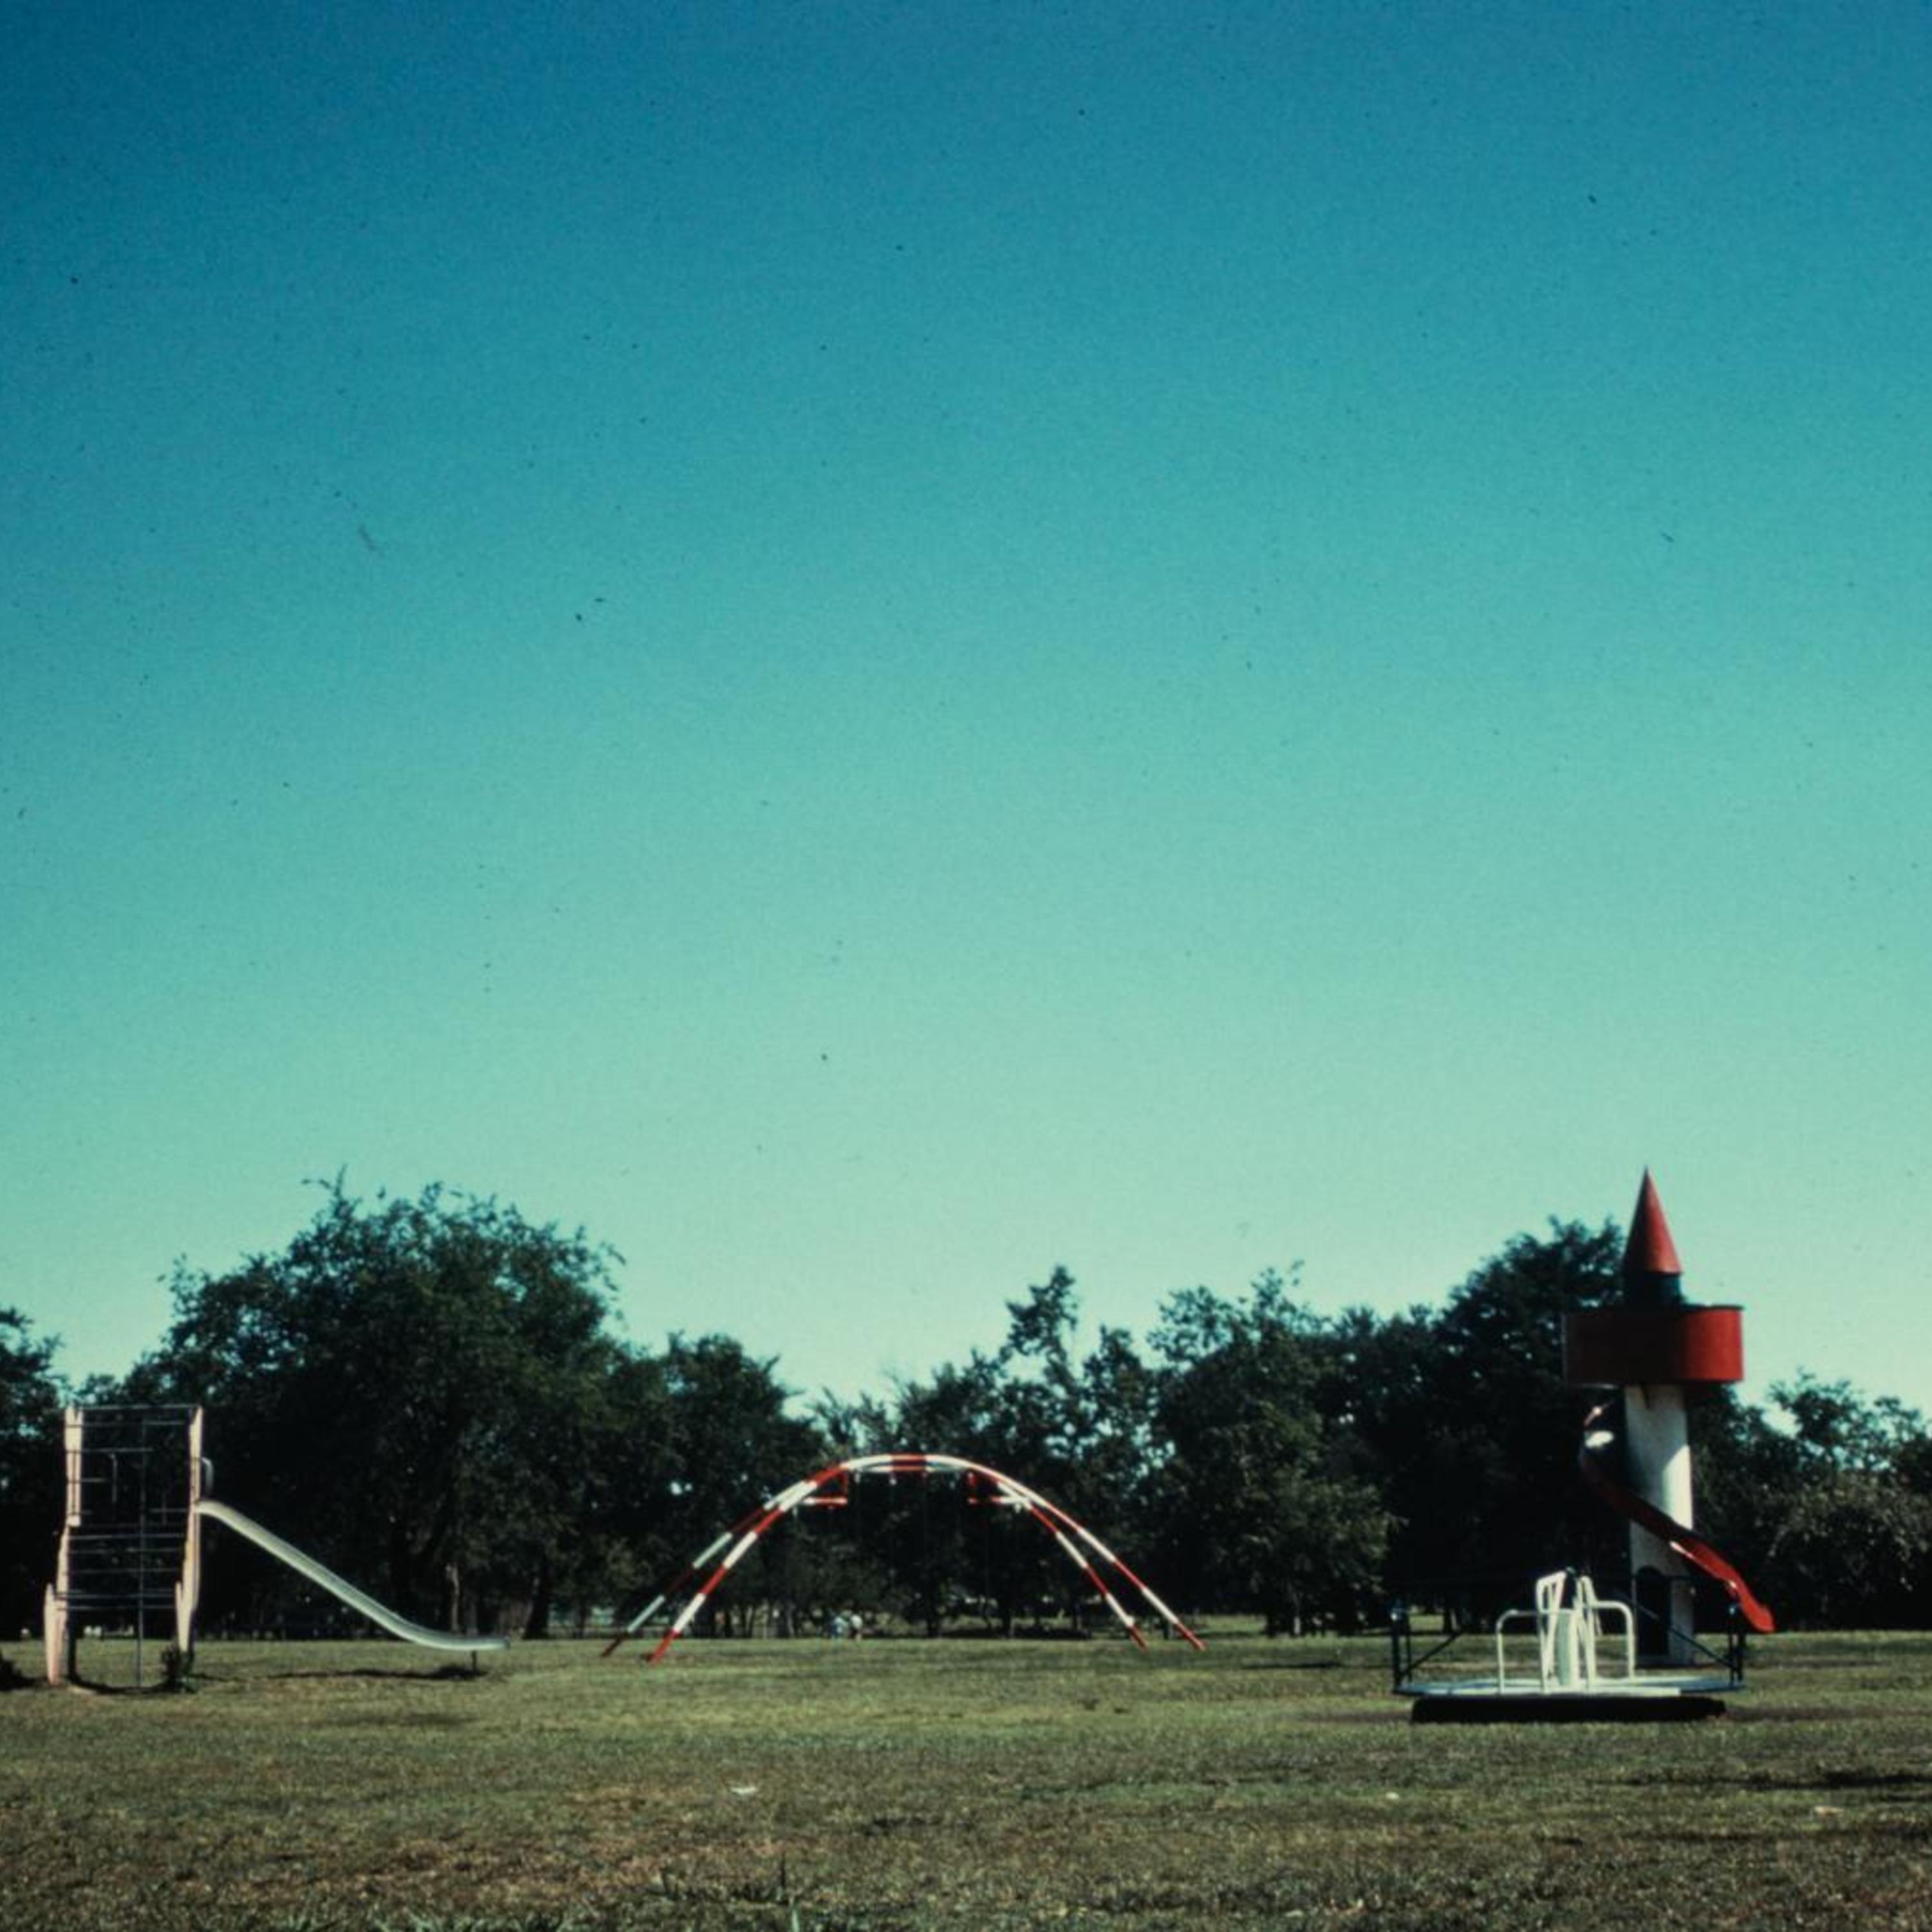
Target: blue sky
(867,648)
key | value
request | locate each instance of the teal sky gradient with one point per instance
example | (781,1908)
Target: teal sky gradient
(869,647)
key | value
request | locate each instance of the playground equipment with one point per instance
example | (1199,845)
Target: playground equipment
(128,1543)
(695,1584)
(131,1535)
(305,1565)
(1656,1348)
(1571,1655)
(1683,1542)
(1569,1622)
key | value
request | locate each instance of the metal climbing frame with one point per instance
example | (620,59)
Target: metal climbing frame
(129,1546)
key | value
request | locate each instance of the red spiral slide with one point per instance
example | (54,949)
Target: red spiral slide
(1687,1544)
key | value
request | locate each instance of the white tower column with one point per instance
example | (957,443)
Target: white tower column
(1656,1443)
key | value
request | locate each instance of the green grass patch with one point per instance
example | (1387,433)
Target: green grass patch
(342,1788)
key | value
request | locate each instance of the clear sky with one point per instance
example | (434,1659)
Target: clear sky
(868,647)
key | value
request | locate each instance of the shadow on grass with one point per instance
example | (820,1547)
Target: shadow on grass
(447,1673)
(82,1687)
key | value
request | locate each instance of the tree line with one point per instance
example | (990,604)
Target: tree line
(432,1395)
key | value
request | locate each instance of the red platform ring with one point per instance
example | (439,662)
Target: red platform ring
(1622,1347)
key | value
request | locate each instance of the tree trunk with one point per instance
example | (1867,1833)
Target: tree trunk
(537,1623)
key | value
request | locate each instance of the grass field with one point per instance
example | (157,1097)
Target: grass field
(313,1787)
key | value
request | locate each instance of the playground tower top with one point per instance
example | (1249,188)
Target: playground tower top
(1653,1337)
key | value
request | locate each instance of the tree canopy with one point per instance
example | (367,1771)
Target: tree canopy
(434,1395)
(429,1391)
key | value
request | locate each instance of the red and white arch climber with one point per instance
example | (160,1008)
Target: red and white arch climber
(695,1584)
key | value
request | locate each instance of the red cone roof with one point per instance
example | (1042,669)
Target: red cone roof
(1650,1250)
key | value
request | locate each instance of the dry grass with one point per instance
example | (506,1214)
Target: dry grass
(960,1784)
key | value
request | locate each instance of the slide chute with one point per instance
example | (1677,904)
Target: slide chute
(319,1573)
(1685,1541)
(695,1584)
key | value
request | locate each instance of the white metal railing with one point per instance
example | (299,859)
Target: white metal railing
(1569,1621)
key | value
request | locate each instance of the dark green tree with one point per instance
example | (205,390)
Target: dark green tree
(1266,1509)
(1077,1429)
(914,1534)
(1838,1509)
(631,1526)
(30,1469)
(413,1390)
(733,1441)
(1471,1431)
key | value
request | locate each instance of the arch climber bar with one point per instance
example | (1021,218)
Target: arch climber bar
(696,1584)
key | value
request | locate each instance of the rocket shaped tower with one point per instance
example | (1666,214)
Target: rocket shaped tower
(1656,1347)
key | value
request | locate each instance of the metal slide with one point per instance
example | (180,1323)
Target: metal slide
(320,1574)
(1687,1544)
